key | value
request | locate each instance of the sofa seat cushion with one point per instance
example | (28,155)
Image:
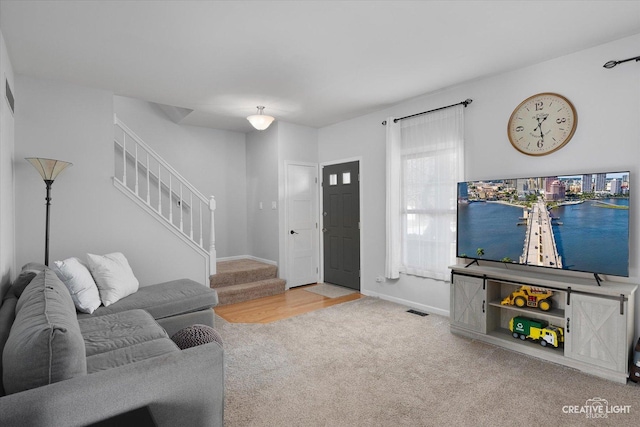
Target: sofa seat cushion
(121,338)
(130,354)
(165,299)
(45,344)
(119,330)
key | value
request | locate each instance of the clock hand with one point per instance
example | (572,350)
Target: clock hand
(540,126)
(540,122)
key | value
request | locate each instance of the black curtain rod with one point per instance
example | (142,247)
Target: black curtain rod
(465,103)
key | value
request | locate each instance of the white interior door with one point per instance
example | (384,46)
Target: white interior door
(302,224)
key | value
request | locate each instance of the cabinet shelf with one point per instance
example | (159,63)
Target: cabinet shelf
(555,313)
(506,335)
(597,320)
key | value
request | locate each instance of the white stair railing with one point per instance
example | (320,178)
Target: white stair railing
(152,183)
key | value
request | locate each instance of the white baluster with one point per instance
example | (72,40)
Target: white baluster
(148,183)
(181,209)
(191,215)
(170,199)
(124,158)
(136,169)
(159,191)
(200,206)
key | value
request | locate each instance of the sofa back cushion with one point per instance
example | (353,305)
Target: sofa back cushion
(29,271)
(7,315)
(45,344)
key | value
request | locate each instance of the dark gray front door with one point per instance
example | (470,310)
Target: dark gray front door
(341,222)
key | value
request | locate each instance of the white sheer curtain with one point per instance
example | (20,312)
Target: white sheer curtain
(424,164)
(392,264)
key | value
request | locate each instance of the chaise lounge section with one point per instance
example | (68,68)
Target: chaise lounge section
(174,305)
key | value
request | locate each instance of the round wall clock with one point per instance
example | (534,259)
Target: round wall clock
(542,124)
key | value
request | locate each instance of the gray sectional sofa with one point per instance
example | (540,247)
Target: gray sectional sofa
(64,368)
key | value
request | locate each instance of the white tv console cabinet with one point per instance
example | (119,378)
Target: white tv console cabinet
(598,321)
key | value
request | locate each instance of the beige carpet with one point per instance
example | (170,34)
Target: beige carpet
(370,363)
(328,290)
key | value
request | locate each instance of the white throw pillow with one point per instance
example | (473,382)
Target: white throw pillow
(113,275)
(77,278)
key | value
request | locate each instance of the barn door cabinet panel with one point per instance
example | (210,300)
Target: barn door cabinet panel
(468,303)
(567,320)
(596,332)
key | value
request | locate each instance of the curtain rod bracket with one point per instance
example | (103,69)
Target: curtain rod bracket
(465,103)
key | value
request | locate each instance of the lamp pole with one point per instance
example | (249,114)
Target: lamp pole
(48,182)
(48,169)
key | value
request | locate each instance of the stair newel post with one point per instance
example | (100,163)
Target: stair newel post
(212,238)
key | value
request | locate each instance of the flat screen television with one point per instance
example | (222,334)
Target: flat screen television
(568,222)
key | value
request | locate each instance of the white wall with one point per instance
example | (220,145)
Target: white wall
(88,214)
(262,187)
(608,109)
(212,160)
(7,213)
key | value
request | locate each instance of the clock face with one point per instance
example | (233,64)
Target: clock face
(542,124)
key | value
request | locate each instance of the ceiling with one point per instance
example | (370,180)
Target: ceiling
(312,63)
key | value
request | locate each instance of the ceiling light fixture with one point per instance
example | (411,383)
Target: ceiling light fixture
(260,121)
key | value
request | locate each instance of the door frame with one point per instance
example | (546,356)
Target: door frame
(321,217)
(287,265)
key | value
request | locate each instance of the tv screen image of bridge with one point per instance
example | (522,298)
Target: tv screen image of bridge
(540,244)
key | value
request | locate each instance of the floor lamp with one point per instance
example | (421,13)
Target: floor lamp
(49,169)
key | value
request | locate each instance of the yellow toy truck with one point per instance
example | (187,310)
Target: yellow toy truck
(537,330)
(528,296)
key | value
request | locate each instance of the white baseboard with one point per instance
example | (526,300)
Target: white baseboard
(237,257)
(421,307)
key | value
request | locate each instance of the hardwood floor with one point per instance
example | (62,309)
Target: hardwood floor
(269,309)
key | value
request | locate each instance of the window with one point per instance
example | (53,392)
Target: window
(428,156)
(346,178)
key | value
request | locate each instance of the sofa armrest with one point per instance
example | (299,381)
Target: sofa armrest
(181,388)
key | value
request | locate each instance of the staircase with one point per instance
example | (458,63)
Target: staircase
(245,279)
(147,179)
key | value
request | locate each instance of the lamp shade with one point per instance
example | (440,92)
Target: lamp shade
(260,121)
(49,169)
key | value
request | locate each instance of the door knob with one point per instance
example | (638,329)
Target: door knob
(324,230)
(293,232)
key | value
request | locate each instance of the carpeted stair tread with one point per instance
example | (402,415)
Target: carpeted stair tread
(236,272)
(232,294)
(245,279)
